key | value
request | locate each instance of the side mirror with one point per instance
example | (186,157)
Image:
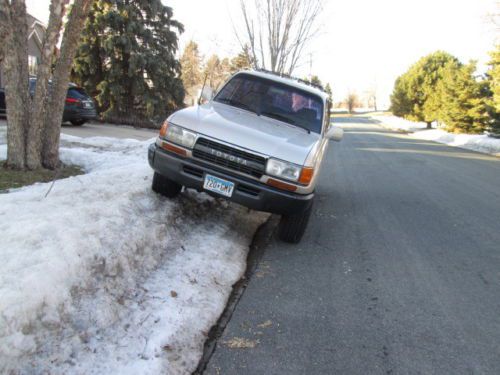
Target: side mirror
(334,133)
(206,94)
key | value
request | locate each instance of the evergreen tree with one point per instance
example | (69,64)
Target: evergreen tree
(191,65)
(128,55)
(463,98)
(241,61)
(400,102)
(316,81)
(216,71)
(328,90)
(414,96)
(493,90)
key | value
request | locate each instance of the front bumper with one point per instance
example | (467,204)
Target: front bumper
(247,192)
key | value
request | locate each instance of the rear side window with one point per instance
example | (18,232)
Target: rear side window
(77,93)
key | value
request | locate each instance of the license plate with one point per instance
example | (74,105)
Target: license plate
(218,185)
(87,105)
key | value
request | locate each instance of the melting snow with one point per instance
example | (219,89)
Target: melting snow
(105,277)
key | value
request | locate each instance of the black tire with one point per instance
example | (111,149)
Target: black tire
(78,122)
(292,227)
(165,187)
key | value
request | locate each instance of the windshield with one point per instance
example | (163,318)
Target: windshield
(275,100)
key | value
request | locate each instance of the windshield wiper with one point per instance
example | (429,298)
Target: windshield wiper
(235,103)
(286,119)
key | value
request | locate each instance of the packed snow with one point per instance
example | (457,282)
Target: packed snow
(479,143)
(103,276)
(399,124)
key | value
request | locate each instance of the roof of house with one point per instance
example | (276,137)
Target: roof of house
(36,29)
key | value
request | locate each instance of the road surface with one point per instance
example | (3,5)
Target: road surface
(398,273)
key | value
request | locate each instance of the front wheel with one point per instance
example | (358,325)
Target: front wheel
(292,227)
(165,186)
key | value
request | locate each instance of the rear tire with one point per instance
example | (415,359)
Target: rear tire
(165,186)
(79,122)
(292,227)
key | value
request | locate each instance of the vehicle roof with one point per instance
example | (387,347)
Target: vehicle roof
(286,81)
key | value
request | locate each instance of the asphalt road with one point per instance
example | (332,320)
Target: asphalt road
(398,273)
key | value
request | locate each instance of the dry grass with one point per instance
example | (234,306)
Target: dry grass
(11,179)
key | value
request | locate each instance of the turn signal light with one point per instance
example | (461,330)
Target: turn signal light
(281,185)
(163,129)
(174,149)
(306,175)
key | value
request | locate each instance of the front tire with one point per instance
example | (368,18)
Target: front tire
(292,227)
(165,186)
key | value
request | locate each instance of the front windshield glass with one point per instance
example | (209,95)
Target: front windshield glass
(275,100)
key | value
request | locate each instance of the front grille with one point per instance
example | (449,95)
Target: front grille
(229,157)
(193,171)
(248,190)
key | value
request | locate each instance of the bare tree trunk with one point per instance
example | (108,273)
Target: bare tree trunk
(72,32)
(14,28)
(284,27)
(34,141)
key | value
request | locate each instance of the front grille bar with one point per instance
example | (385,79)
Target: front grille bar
(229,157)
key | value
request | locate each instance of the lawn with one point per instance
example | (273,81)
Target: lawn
(10,179)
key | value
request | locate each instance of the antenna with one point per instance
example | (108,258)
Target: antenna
(202,88)
(310,66)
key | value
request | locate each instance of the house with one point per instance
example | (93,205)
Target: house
(36,33)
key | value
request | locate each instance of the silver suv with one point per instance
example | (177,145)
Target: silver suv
(259,142)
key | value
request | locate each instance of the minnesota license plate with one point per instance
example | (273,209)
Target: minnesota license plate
(218,185)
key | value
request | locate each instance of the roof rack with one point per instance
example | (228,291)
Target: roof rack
(284,75)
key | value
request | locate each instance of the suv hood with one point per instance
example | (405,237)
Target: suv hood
(247,130)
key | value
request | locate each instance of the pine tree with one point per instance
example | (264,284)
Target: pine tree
(88,65)
(316,81)
(216,71)
(400,102)
(191,66)
(414,96)
(129,49)
(493,90)
(328,90)
(241,61)
(463,99)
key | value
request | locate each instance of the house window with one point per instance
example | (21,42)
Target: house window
(32,64)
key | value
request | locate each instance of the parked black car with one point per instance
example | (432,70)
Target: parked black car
(78,109)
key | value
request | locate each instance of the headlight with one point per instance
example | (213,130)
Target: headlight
(178,135)
(283,169)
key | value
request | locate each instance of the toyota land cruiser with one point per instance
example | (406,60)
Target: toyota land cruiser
(259,142)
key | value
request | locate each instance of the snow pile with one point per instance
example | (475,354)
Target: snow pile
(399,124)
(103,276)
(479,143)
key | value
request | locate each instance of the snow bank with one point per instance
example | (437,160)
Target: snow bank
(479,143)
(103,276)
(399,124)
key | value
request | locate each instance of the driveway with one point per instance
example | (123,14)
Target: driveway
(108,130)
(398,273)
(103,130)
